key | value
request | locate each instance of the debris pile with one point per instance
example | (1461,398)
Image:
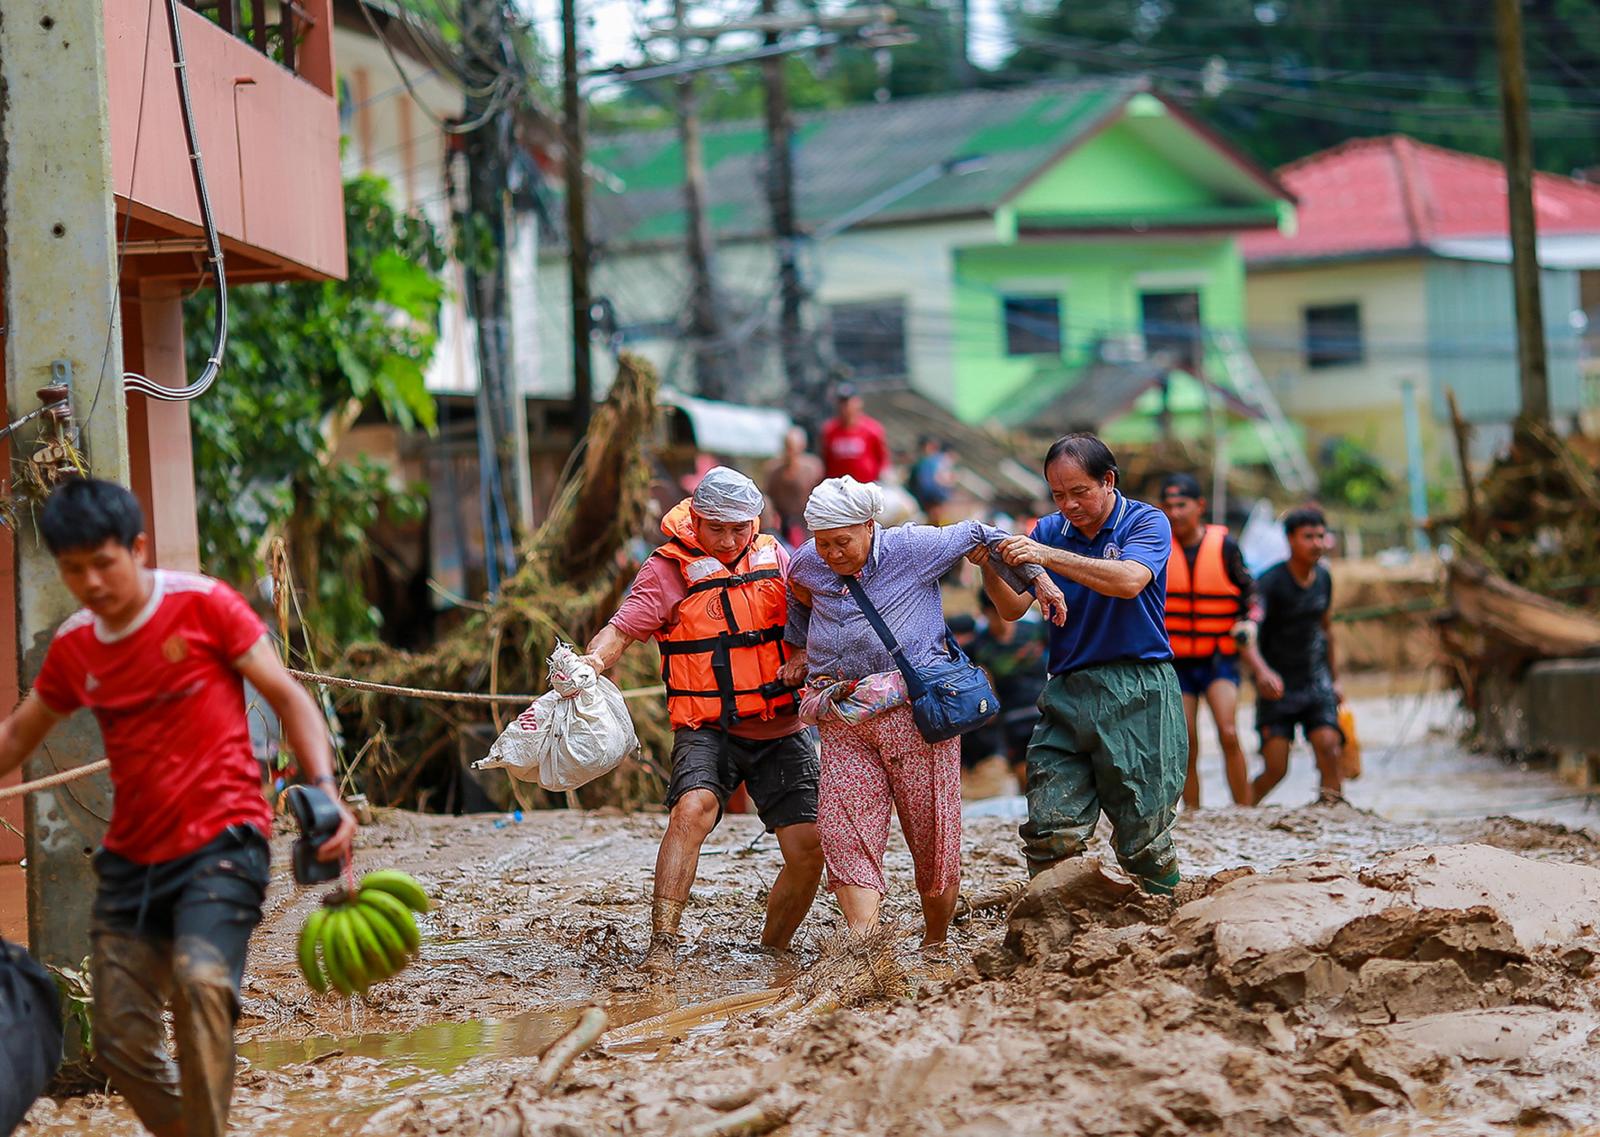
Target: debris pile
(1526,583)
(573,574)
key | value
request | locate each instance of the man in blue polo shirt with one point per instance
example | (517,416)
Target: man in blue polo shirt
(1111,735)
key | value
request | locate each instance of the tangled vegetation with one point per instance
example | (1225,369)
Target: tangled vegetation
(304,361)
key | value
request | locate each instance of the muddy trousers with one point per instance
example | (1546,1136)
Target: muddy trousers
(175,934)
(1112,738)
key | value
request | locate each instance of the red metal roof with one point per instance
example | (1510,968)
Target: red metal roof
(1376,195)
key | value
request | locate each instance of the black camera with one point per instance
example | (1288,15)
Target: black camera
(318,818)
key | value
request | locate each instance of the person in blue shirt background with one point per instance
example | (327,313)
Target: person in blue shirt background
(1111,733)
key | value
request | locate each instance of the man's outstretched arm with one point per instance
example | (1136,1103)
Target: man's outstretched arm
(607,647)
(23,730)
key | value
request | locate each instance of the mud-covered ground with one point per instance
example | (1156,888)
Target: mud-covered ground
(1452,990)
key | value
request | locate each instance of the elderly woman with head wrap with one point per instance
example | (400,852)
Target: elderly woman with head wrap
(873,757)
(713,596)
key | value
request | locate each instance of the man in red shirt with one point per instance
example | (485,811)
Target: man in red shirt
(853,442)
(160,658)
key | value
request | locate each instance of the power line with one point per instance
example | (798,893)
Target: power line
(503,89)
(1072,48)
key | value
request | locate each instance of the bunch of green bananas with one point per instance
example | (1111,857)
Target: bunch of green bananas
(365,936)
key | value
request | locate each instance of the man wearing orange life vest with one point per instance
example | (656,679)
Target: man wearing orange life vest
(713,597)
(1209,595)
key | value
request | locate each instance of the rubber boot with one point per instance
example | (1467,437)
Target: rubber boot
(1159,885)
(665,916)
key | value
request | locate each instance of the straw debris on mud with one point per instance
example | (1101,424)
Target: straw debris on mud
(572,575)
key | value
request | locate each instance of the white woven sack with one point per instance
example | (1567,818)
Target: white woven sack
(572,734)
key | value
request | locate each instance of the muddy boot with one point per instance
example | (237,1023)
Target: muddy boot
(665,915)
(1163,885)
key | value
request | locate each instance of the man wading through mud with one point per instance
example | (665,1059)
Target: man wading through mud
(1297,684)
(714,598)
(1209,594)
(160,658)
(1111,733)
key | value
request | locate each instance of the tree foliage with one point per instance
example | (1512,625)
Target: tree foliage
(1284,78)
(303,361)
(1291,77)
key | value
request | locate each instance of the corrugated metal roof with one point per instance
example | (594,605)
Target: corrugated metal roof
(1395,194)
(846,157)
(734,429)
(1102,392)
(1003,465)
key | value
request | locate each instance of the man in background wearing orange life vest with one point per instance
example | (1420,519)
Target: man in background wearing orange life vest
(713,596)
(1209,594)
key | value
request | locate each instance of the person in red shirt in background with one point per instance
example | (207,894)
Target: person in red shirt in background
(160,658)
(853,442)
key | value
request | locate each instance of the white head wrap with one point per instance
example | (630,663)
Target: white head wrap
(838,502)
(727,495)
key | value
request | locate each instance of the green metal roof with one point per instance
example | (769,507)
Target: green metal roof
(847,156)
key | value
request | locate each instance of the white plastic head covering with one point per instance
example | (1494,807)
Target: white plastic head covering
(838,502)
(727,495)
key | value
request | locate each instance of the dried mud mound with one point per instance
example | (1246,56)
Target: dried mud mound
(1441,990)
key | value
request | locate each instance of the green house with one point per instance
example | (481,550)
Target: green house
(1065,250)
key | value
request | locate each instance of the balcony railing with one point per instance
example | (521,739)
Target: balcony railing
(275,28)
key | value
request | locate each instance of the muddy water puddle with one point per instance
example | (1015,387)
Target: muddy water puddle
(335,1083)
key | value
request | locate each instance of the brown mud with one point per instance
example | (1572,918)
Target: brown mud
(1450,988)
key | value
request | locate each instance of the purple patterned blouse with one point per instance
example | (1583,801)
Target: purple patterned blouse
(901,578)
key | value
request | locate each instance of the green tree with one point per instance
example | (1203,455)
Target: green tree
(1291,77)
(303,362)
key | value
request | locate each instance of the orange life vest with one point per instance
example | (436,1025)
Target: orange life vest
(1201,607)
(720,661)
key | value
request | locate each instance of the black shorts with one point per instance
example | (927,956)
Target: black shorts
(780,774)
(214,894)
(1308,709)
(1195,676)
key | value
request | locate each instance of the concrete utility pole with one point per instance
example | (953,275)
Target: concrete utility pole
(58,264)
(578,252)
(804,401)
(489,151)
(705,325)
(1535,379)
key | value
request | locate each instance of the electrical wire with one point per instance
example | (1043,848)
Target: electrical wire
(127,218)
(131,380)
(507,83)
(1303,102)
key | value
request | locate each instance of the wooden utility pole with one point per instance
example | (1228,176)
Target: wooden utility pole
(705,325)
(58,264)
(489,152)
(1535,379)
(804,401)
(578,252)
